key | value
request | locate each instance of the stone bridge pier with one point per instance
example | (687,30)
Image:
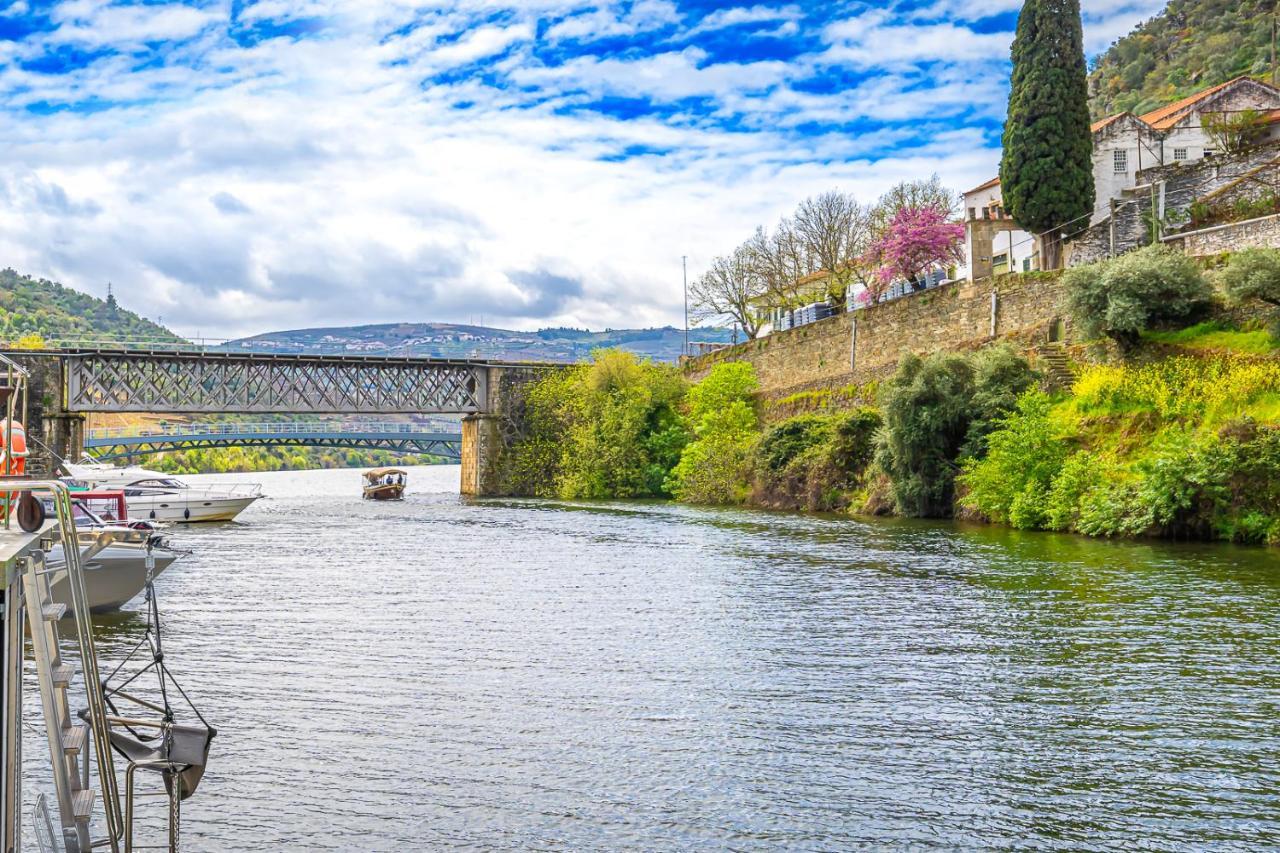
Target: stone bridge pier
(53,433)
(486,436)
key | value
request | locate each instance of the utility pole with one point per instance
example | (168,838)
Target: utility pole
(684,268)
(1275,10)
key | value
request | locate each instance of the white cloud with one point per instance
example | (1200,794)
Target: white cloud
(364,176)
(93,22)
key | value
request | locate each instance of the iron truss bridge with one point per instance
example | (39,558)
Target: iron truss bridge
(192,382)
(442,438)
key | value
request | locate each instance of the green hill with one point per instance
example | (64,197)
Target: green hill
(1189,46)
(30,306)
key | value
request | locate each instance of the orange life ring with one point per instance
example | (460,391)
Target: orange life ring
(12,463)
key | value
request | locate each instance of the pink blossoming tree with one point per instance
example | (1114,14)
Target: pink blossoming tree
(917,239)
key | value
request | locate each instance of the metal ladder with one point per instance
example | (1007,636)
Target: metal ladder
(69,739)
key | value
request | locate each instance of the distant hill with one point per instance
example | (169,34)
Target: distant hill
(30,306)
(1191,45)
(463,341)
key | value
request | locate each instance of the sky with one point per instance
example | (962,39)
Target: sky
(241,166)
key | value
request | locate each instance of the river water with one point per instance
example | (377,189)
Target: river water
(441,673)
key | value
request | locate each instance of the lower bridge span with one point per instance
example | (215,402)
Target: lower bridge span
(438,438)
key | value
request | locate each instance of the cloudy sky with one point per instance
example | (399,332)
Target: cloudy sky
(237,167)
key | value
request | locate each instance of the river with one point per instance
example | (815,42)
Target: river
(509,674)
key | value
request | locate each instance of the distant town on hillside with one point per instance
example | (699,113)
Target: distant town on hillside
(448,340)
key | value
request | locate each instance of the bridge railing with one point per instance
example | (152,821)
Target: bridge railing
(284,428)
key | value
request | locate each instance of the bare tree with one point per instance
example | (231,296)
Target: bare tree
(837,232)
(780,259)
(919,194)
(729,288)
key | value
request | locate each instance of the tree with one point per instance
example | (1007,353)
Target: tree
(917,239)
(780,260)
(1234,132)
(729,288)
(928,192)
(714,467)
(926,411)
(1254,274)
(1122,297)
(1046,173)
(837,232)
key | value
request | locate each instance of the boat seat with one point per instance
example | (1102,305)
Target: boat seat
(179,755)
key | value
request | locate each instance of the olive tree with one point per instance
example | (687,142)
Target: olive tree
(1122,297)
(1254,275)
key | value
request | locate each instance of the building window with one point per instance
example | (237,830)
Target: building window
(973,213)
(1179,154)
(1120,160)
(1026,265)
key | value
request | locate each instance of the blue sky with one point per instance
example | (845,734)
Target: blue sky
(241,166)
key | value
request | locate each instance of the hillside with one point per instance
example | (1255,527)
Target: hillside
(1189,46)
(30,306)
(462,341)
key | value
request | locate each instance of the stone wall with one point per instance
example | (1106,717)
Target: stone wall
(52,432)
(864,345)
(1176,188)
(1261,233)
(485,437)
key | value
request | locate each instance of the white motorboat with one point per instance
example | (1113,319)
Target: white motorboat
(156,496)
(114,574)
(114,559)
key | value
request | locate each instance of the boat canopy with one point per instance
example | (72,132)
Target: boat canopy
(378,473)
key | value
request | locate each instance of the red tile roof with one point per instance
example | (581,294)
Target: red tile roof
(1169,115)
(1101,123)
(994,182)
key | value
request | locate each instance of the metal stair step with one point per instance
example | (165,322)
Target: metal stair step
(62,674)
(73,738)
(82,803)
(53,612)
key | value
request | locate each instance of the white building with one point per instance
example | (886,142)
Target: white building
(993,243)
(1123,145)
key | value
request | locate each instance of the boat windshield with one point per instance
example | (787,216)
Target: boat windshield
(158,483)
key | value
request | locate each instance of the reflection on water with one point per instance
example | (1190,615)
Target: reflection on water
(525,674)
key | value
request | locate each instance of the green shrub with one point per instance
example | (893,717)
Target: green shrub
(1062,504)
(1122,297)
(927,407)
(814,462)
(715,467)
(783,443)
(1254,275)
(1000,377)
(1025,454)
(608,429)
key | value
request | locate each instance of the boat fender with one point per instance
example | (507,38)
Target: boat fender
(153,514)
(186,513)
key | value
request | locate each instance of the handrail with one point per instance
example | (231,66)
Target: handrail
(285,428)
(62,503)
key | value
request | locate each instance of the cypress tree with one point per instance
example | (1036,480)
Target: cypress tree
(1046,172)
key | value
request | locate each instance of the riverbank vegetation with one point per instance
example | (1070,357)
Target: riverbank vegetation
(227,460)
(1177,436)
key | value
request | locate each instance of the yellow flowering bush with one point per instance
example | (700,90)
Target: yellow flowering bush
(1179,387)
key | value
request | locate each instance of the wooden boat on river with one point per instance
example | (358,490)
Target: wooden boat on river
(384,484)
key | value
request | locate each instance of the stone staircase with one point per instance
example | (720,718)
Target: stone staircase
(1053,363)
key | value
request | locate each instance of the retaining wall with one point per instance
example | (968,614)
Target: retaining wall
(866,344)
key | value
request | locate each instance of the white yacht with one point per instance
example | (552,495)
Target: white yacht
(156,496)
(114,560)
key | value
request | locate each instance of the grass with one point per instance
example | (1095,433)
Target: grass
(1216,336)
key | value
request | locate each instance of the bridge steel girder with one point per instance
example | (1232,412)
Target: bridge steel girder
(176,382)
(449,448)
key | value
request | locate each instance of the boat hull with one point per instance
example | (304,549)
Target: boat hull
(112,577)
(394,492)
(173,507)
